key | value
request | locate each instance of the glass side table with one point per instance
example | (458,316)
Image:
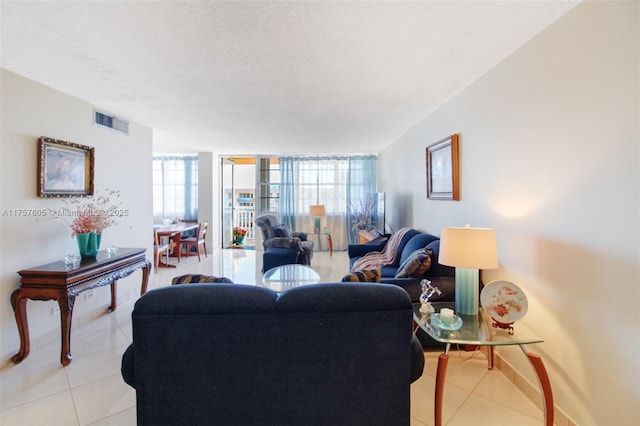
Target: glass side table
(325,233)
(478,330)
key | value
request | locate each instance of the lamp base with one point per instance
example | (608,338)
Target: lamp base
(467,288)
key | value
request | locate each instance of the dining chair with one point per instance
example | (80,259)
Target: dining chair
(191,232)
(159,249)
(197,241)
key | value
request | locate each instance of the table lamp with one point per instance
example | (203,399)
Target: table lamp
(468,250)
(316,211)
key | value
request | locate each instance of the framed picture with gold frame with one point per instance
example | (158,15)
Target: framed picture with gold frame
(442,170)
(65,169)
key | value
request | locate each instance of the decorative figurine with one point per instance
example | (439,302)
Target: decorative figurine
(427,291)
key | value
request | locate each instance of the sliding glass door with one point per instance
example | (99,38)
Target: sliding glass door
(226,202)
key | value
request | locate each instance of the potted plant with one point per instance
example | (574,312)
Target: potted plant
(238,236)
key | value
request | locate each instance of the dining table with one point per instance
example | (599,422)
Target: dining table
(173,232)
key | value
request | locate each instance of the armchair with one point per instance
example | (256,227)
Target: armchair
(281,246)
(226,354)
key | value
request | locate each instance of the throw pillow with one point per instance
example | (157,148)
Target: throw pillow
(281,231)
(364,276)
(197,278)
(416,264)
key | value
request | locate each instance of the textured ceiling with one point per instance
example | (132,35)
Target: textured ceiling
(267,77)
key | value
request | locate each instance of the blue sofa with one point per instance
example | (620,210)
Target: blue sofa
(441,276)
(228,354)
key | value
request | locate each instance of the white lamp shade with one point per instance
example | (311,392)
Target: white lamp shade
(316,210)
(468,248)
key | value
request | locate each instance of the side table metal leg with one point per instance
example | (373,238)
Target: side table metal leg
(545,384)
(491,357)
(443,361)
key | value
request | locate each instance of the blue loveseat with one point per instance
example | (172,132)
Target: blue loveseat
(441,276)
(228,354)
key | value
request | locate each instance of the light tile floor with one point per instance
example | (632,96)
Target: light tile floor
(90,391)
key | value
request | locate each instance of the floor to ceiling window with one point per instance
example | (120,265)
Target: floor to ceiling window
(337,182)
(175,187)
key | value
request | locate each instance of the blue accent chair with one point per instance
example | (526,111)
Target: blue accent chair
(281,245)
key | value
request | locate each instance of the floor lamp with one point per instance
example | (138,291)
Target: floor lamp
(468,250)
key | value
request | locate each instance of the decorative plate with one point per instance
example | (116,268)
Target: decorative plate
(456,324)
(504,301)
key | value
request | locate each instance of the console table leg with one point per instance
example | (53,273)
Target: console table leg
(443,361)
(146,270)
(19,304)
(545,384)
(114,295)
(66,314)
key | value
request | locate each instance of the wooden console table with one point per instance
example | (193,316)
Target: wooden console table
(57,281)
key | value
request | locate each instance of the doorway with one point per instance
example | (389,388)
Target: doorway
(238,200)
(249,186)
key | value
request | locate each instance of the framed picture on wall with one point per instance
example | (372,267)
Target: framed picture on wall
(442,169)
(65,169)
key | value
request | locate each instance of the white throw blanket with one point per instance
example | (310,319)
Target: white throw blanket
(378,259)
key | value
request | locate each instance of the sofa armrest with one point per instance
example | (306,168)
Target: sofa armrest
(283,242)
(128,368)
(359,250)
(417,359)
(301,235)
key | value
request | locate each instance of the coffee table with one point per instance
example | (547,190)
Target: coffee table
(285,277)
(478,330)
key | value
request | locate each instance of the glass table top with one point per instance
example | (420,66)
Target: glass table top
(284,277)
(478,330)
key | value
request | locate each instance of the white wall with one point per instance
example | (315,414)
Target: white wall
(209,198)
(550,159)
(30,110)
(244,177)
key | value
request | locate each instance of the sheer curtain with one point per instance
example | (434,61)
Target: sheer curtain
(326,180)
(362,182)
(287,184)
(175,187)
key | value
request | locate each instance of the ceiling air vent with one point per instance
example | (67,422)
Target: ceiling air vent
(111,122)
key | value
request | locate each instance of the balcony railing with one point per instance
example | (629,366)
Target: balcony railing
(244,218)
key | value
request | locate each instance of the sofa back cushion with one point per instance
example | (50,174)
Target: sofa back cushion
(416,242)
(406,239)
